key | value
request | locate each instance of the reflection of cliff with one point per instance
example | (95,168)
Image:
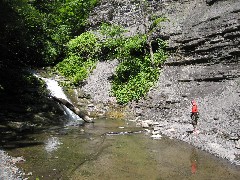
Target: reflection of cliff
(194,161)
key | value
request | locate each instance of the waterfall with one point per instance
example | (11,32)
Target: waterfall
(57,91)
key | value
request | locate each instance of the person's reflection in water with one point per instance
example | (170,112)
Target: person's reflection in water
(194,161)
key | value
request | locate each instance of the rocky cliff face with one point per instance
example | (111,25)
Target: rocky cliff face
(204,40)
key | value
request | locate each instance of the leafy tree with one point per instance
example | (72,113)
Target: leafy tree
(135,74)
(111,39)
(42,28)
(82,53)
(86,45)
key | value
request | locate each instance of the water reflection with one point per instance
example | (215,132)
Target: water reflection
(52,144)
(86,153)
(194,160)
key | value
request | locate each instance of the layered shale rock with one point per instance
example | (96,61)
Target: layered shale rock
(204,41)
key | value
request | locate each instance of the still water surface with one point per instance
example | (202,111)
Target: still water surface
(86,152)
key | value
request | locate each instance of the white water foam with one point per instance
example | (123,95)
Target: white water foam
(57,91)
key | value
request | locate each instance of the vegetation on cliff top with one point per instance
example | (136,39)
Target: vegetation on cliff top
(34,33)
(42,33)
(135,74)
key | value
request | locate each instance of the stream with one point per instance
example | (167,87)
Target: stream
(89,152)
(113,149)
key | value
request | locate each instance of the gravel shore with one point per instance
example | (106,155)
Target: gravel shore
(8,168)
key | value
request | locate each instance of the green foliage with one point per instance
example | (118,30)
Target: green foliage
(132,46)
(81,57)
(135,75)
(111,39)
(136,87)
(86,45)
(74,13)
(114,43)
(133,79)
(42,28)
(75,68)
(160,55)
(111,31)
(156,22)
(61,35)
(135,68)
(38,32)
(139,69)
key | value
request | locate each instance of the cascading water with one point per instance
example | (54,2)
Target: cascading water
(58,92)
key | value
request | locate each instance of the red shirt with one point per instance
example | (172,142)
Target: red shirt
(194,108)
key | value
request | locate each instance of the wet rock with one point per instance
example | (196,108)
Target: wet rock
(157,136)
(148,131)
(18,160)
(155,132)
(145,125)
(21,126)
(8,168)
(139,111)
(83,95)
(91,105)
(81,104)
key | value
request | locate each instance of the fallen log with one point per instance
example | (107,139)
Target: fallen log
(74,109)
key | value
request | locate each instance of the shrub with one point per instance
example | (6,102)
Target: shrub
(135,75)
(86,45)
(75,68)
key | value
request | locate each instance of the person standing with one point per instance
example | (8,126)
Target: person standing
(194,115)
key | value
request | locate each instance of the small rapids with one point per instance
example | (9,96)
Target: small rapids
(57,91)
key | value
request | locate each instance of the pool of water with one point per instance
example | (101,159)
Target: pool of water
(92,151)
